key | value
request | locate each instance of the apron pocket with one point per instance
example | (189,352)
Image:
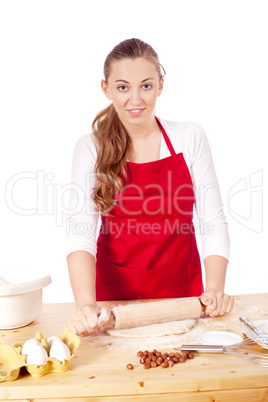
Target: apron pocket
(114,282)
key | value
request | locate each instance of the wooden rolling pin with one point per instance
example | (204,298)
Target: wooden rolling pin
(141,314)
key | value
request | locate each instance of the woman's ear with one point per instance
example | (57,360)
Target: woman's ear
(104,87)
(161,86)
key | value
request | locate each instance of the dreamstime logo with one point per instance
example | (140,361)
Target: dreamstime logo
(245,201)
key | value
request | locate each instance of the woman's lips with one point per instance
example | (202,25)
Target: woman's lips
(135,112)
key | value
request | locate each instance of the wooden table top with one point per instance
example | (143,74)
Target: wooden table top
(98,370)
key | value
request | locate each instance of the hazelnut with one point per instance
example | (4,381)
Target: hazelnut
(130,366)
(155,358)
(159,361)
(147,365)
(164,364)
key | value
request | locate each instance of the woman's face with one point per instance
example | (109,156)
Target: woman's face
(133,86)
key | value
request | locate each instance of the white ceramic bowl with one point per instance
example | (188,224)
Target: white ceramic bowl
(20,296)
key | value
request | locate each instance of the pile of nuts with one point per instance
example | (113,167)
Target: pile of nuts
(154,359)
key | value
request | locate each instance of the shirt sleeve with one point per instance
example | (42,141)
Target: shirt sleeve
(83,216)
(212,223)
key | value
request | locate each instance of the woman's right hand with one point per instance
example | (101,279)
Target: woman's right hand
(88,320)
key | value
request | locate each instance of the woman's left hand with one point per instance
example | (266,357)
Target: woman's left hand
(218,303)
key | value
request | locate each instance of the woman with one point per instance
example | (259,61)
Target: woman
(143,175)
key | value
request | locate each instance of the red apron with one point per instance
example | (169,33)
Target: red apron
(147,248)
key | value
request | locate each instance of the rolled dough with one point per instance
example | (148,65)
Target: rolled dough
(150,331)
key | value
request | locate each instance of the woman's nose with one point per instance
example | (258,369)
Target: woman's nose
(135,97)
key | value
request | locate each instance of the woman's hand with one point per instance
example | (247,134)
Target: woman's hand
(88,320)
(218,303)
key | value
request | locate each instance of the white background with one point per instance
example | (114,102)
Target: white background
(52,54)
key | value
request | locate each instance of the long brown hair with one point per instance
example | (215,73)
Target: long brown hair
(112,139)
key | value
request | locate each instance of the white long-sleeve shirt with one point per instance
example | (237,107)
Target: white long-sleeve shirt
(82,224)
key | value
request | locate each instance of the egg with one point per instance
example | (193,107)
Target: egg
(28,345)
(53,339)
(60,351)
(37,355)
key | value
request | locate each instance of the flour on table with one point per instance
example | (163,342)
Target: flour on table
(154,330)
(162,343)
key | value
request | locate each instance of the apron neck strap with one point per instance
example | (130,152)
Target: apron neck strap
(169,145)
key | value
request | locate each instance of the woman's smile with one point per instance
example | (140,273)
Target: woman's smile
(135,112)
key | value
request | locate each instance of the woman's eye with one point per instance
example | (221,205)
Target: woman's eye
(147,86)
(122,88)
